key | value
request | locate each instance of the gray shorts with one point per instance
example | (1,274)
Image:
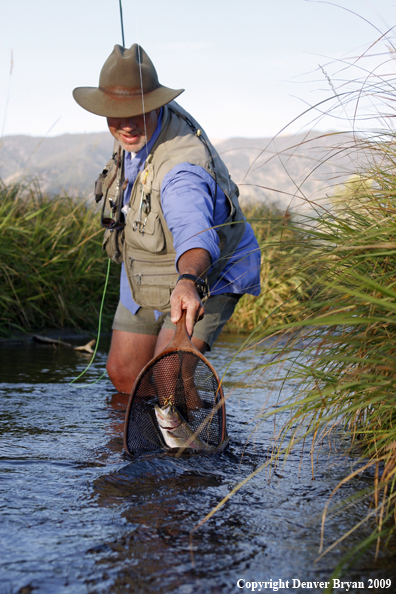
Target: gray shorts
(218,310)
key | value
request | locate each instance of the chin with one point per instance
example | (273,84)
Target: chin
(132,148)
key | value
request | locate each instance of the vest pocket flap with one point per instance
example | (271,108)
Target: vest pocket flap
(146,234)
(150,222)
(158,299)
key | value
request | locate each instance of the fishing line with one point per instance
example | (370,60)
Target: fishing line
(97,337)
(144,117)
(8,95)
(141,88)
(109,261)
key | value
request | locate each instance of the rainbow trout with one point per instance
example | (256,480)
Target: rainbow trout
(176,432)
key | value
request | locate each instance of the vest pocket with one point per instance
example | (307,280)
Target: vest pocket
(149,237)
(151,282)
(113,241)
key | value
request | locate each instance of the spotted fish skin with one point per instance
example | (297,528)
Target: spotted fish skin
(176,432)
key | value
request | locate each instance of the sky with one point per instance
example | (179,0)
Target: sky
(249,67)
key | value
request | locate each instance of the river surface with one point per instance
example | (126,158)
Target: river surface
(78,516)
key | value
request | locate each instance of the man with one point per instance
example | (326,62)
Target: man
(164,191)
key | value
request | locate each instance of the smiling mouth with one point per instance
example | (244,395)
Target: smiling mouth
(129,138)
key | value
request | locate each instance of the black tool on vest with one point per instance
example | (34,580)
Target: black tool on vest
(116,221)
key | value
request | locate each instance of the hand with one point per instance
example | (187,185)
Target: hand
(185,296)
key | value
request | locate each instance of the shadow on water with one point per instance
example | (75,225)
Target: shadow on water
(77,516)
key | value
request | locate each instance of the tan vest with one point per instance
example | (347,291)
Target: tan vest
(148,252)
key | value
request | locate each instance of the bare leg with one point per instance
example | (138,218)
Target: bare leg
(129,353)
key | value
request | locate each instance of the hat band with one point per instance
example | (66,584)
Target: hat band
(125,92)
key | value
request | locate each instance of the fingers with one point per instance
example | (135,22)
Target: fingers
(192,317)
(185,296)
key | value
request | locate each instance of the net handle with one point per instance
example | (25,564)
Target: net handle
(180,339)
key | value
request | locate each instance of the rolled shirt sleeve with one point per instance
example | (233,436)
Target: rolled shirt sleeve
(187,195)
(187,204)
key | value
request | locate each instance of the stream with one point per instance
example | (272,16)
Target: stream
(78,516)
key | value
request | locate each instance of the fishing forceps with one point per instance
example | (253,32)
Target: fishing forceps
(144,206)
(144,209)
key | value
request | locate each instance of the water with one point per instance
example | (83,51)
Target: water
(77,516)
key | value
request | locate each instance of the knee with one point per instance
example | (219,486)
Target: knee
(120,377)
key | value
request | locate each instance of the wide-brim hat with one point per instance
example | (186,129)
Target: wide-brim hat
(128,86)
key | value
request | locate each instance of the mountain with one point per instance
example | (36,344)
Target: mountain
(289,169)
(68,163)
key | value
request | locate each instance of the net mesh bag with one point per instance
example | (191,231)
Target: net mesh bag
(185,379)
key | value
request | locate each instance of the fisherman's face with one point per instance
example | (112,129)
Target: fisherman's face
(133,133)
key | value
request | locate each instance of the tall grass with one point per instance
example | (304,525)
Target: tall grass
(340,350)
(344,359)
(52,271)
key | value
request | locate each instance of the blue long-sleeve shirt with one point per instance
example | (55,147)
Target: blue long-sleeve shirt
(187,196)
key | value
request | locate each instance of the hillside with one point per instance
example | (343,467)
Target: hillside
(275,171)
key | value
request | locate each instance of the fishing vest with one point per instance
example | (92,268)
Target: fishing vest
(145,242)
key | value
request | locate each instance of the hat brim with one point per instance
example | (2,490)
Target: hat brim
(122,106)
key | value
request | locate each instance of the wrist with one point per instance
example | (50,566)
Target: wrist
(200,283)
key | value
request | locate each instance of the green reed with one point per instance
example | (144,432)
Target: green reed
(52,269)
(342,352)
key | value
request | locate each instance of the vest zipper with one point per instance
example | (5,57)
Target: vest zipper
(138,276)
(132,260)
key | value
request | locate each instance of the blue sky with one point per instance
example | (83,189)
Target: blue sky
(249,67)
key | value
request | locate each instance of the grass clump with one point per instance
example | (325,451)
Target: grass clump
(52,269)
(345,361)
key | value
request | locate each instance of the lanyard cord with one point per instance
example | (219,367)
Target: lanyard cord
(141,91)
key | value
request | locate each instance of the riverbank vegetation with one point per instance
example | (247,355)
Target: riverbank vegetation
(341,354)
(52,271)
(344,362)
